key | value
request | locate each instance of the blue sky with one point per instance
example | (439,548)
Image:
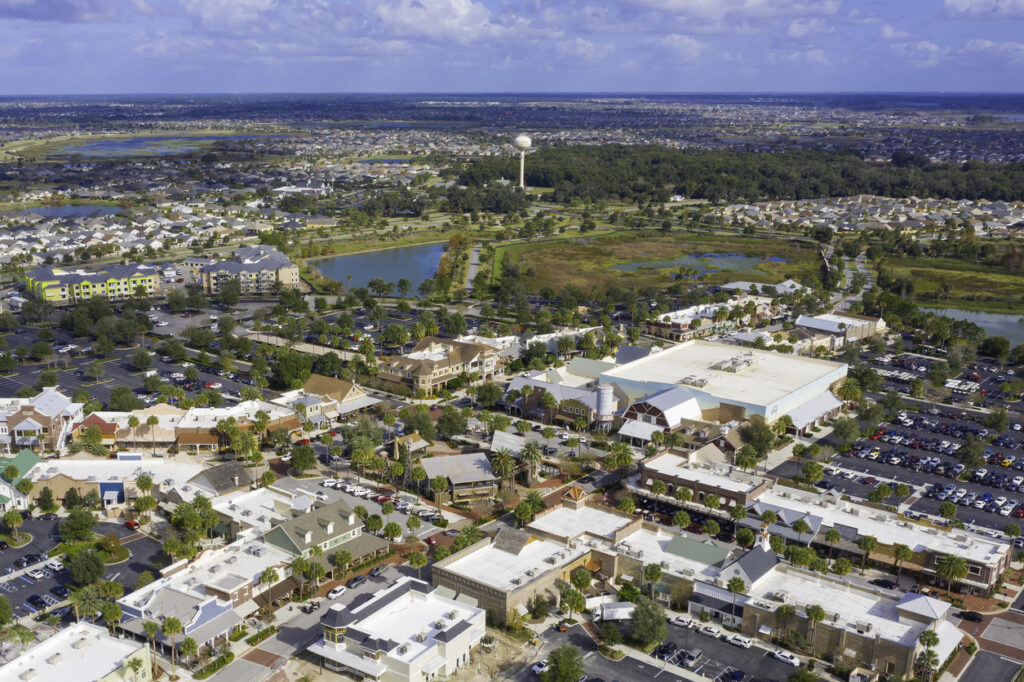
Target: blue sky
(143,46)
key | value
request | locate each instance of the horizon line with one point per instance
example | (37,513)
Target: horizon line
(479,93)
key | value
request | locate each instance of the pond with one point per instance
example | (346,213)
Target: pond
(995,324)
(69,210)
(703,263)
(414,263)
(152,145)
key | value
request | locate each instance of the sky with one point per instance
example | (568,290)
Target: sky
(235,46)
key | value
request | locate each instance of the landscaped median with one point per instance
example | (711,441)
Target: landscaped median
(261,635)
(213,666)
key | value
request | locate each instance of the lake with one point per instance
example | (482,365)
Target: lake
(994,324)
(71,210)
(414,263)
(703,263)
(151,145)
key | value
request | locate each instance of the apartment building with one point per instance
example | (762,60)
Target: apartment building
(258,270)
(114,282)
(42,422)
(435,361)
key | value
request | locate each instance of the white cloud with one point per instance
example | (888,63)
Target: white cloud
(889,32)
(72,11)
(799,28)
(681,48)
(1009,50)
(441,21)
(924,54)
(716,10)
(997,8)
(584,50)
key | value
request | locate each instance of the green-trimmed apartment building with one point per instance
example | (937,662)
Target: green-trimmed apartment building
(114,282)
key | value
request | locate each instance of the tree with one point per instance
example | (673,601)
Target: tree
(393,531)
(683,494)
(712,501)
(303,458)
(900,553)
(783,614)
(581,578)
(758,435)
(927,659)
(488,393)
(815,614)
(133,664)
(142,359)
(880,493)
(6,612)
(610,634)
(573,601)
(711,527)
(735,586)
(188,648)
(439,484)
(647,624)
(951,568)
(417,560)
(171,628)
(681,519)
(947,510)
(627,504)
(151,629)
(849,391)
(847,431)
(800,527)
(1012,530)
(652,574)
(564,665)
(86,566)
(374,523)
(842,566)
(813,472)
(867,544)
(833,538)
(13,520)
(531,455)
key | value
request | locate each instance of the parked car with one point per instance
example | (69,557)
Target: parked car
(337,591)
(37,601)
(786,657)
(131,525)
(378,570)
(972,616)
(357,581)
(539,667)
(36,574)
(740,641)
(692,657)
(708,630)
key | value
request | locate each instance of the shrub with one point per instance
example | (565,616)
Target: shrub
(213,666)
(239,634)
(261,635)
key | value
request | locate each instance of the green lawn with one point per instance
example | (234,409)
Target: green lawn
(976,287)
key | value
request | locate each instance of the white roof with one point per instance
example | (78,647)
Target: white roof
(632,428)
(565,522)
(814,409)
(890,529)
(207,417)
(79,652)
(726,373)
(117,470)
(504,439)
(498,568)
(679,467)
(254,507)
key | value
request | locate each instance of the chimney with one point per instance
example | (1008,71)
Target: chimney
(235,479)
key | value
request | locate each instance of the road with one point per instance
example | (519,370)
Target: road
(471,269)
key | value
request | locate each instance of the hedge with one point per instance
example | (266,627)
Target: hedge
(213,666)
(238,634)
(261,635)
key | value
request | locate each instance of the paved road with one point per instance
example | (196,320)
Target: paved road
(474,265)
(991,667)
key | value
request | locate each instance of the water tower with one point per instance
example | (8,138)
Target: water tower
(522,143)
(605,412)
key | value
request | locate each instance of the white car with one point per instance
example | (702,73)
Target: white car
(55,565)
(336,592)
(681,621)
(36,574)
(740,641)
(787,657)
(320,495)
(539,667)
(708,630)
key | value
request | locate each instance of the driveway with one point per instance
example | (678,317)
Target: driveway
(991,668)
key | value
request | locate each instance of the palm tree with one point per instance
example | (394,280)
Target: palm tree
(784,613)
(151,628)
(269,577)
(133,423)
(951,568)
(738,512)
(769,517)
(535,502)
(417,560)
(86,601)
(135,665)
(928,659)
(188,649)
(438,484)
(867,544)
(736,586)
(151,422)
(800,527)
(532,454)
(833,538)
(652,574)
(343,558)
(780,425)
(815,614)
(849,391)
(504,464)
(170,628)
(900,553)
(620,456)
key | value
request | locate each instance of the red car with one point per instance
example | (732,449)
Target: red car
(133,525)
(304,441)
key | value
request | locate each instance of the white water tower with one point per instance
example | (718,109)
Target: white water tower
(605,413)
(522,143)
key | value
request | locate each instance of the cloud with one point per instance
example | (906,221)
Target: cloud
(462,22)
(982,8)
(716,10)
(71,11)
(891,33)
(582,50)
(1014,52)
(800,28)
(681,48)
(924,54)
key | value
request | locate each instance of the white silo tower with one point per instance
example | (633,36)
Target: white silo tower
(522,143)
(605,413)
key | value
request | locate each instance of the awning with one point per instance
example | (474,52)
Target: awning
(360,403)
(765,630)
(640,430)
(198,439)
(247,608)
(814,409)
(349,660)
(433,664)
(110,497)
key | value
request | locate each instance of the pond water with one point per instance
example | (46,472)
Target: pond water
(153,145)
(703,263)
(414,263)
(72,210)
(995,324)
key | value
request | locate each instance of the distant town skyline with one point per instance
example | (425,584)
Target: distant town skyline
(467,46)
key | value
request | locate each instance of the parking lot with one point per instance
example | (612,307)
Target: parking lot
(144,552)
(921,450)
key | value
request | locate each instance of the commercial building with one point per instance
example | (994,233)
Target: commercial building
(469,476)
(731,486)
(42,422)
(843,327)
(730,383)
(258,269)
(10,496)
(408,632)
(80,651)
(710,319)
(331,527)
(434,362)
(114,282)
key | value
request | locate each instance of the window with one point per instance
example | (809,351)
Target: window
(974,570)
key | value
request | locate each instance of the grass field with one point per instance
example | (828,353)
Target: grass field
(53,147)
(584,260)
(980,288)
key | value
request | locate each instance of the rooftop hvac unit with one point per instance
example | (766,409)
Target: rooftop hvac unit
(232,559)
(640,553)
(530,572)
(214,568)
(402,650)
(421,637)
(452,615)
(439,625)
(516,581)
(664,564)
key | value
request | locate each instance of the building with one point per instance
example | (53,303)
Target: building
(408,632)
(843,327)
(211,595)
(348,396)
(986,558)
(572,403)
(114,282)
(258,270)
(470,477)
(81,651)
(731,486)
(663,411)
(434,362)
(197,428)
(730,383)
(331,527)
(10,496)
(711,319)
(42,422)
